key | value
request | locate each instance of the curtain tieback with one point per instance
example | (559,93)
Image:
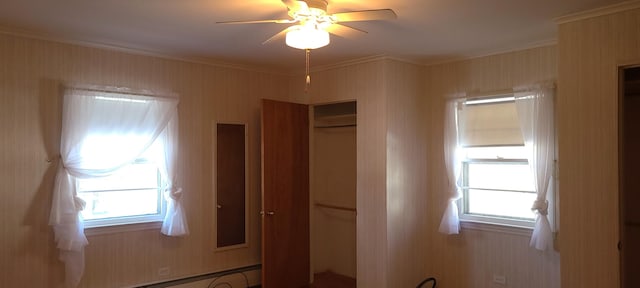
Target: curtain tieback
(79,203)
(174,192)
(542,206)
(457,192)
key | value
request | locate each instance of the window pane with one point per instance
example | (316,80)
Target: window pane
(500,203)
(495,152)
(135,176)
(503,176)
(131,191)
(111,204)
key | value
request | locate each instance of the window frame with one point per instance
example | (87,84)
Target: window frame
(131,219)
(490,219)
(470,219)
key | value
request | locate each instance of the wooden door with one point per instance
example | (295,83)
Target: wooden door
(285,195)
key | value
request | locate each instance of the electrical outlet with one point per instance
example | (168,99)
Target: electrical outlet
(164,271)
(499,279)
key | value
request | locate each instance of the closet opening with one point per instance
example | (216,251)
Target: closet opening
(629,171)
(333,195)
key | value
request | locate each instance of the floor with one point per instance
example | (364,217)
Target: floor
(332,280)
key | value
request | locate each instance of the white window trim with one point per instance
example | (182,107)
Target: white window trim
(493,220)
(125,220)
(496,228)
(130,227)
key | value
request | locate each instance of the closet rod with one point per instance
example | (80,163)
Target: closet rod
(335,126)
(335,207)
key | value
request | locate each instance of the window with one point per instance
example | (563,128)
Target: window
(496,181)
(119,153)
(114,145)
(129,191)
(133,194)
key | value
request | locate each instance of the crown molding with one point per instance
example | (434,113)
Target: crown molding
(602,11)
(405,60)
(361,60)
(533,45)
(347,63)
(11,31)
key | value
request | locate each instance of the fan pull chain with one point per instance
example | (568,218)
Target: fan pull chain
(306,88)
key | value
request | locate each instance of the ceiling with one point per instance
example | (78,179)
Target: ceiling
(426,31)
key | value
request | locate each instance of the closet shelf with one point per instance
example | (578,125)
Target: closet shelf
(335,121)
(336,207)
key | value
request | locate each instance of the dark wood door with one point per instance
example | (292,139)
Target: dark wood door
(285,195)
(230,179)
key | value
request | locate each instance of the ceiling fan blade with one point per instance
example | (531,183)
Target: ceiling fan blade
(365,15)
(281,21)
(345,31)
(280,35)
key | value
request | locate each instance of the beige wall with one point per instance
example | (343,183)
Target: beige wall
(471,258)
(590,51)
(32,73)
(407,210)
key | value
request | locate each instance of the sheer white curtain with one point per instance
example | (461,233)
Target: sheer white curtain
(175,222)
(102,132)
(536,115)
(450,223)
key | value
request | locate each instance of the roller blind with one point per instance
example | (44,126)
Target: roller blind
(489,124)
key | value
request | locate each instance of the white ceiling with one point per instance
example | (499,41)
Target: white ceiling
(425,31)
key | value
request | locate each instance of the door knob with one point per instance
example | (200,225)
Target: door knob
(268,213)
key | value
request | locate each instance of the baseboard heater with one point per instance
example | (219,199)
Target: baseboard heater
(202,277)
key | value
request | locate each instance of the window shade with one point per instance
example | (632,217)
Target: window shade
(490,124)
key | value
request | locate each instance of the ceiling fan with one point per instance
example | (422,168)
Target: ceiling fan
(311,24)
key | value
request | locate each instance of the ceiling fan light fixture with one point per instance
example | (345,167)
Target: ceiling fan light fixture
(307,37)
(314,24)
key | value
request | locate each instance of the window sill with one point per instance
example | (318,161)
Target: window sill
(496,228)
(94,231)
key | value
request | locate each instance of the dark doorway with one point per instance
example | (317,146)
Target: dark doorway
(629,158)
